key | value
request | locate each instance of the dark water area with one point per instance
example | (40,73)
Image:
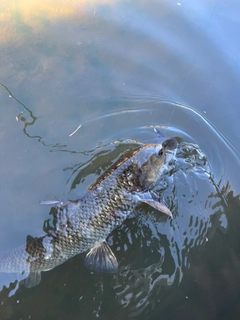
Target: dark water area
(80,84)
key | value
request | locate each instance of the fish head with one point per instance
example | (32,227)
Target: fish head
(152,160)
(138,168)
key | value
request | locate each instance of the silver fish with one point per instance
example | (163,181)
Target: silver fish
(84,225)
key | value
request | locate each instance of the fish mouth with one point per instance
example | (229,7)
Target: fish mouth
(170,144)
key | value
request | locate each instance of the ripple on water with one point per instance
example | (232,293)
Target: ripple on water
(154,252)
(198,211)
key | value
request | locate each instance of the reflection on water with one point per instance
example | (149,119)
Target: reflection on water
(34,16)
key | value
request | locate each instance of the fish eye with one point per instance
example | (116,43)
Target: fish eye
(160,153)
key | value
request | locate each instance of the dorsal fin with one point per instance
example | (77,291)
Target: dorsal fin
(127,155)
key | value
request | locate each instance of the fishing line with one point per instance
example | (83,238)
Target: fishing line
(18,101)
(171,115)
(30,123)
(20,117)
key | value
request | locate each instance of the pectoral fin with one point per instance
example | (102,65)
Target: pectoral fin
(152,200)
(101,259)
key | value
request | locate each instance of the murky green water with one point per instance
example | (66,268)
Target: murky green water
(115,71)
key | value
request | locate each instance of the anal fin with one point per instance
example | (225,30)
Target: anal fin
(101,259)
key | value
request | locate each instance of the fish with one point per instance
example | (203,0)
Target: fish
(83,226)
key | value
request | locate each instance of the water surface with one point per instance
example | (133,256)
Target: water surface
(118,70)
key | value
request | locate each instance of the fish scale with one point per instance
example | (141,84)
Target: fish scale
(84,225)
